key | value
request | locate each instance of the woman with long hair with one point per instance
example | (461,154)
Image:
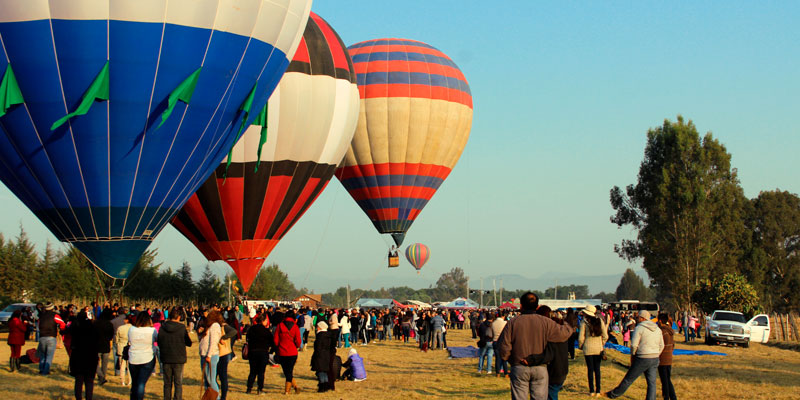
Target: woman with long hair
(344,329)
(258,341)
(665,359)
(84,356)
(141,359)
(225,355)
(287,340)
(406,326)
(592,339)
(572,320)
(209,349)
(17,329)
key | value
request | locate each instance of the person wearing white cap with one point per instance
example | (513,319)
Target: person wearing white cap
(324,349)
(646,346)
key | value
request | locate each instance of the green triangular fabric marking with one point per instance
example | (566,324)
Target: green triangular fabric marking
(97,91)
(261,120)
(10,94)
(245,107)
(183,93)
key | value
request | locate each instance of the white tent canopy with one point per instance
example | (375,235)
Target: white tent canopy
(460,303)
(417,304)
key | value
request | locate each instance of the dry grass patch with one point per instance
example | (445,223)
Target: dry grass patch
(400,371)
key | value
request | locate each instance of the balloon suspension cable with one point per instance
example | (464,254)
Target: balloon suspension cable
(381,264)
(321,239)
(99,283)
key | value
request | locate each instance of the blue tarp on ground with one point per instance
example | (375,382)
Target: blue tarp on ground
(676,352)
(472,351)
(463,352)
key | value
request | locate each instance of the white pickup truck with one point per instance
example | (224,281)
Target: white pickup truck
(730,327)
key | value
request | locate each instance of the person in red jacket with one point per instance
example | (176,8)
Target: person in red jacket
(17,329)
(287,339)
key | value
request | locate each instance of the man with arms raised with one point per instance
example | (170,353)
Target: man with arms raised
(523,342)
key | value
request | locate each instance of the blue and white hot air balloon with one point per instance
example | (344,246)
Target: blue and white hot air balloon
(113,112)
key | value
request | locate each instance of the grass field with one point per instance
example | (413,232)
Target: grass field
(400,371)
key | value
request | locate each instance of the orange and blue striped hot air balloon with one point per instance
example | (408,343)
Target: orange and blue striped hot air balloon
(415,118)
(418,254)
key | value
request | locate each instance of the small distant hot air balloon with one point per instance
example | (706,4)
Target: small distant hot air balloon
(282,163)
(112,113)
(418,254)
(415,118)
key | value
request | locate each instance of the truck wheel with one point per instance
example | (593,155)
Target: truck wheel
(746,344)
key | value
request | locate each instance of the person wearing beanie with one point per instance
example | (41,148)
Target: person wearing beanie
(647,343)
(322,356)
(50,323)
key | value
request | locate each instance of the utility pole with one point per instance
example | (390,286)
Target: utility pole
(501,291)
(556,294)
(229,290)
(348,296)
(481,292)
(494,289)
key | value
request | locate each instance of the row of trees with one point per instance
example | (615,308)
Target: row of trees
(696,230)
(67,274)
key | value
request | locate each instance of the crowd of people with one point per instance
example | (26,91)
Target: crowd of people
(532,346)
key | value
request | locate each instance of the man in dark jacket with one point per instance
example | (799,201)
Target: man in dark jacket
(49,325)
(173,339)
(105,333)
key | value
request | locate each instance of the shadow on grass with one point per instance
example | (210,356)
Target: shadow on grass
(751,375)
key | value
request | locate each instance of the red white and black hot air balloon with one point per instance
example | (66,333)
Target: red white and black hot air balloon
(282,162)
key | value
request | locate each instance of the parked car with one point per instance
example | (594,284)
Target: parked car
(6,313)
(725,326)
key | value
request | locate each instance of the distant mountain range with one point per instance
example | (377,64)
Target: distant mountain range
(597,283)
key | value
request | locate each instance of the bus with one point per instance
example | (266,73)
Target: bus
(635,305)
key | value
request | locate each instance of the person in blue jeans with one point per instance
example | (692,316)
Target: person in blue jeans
(647,343)
(209,349)
(49,325)
(141,358)
(486,352)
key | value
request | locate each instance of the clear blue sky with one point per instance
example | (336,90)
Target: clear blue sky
(564,93)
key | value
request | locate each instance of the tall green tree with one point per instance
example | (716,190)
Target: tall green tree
(209,288)
(272,283)
(184,285)
(632,287)
(729,292)
(773,262)
(686,208)
(65,276)
(18,272)
(451,284)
